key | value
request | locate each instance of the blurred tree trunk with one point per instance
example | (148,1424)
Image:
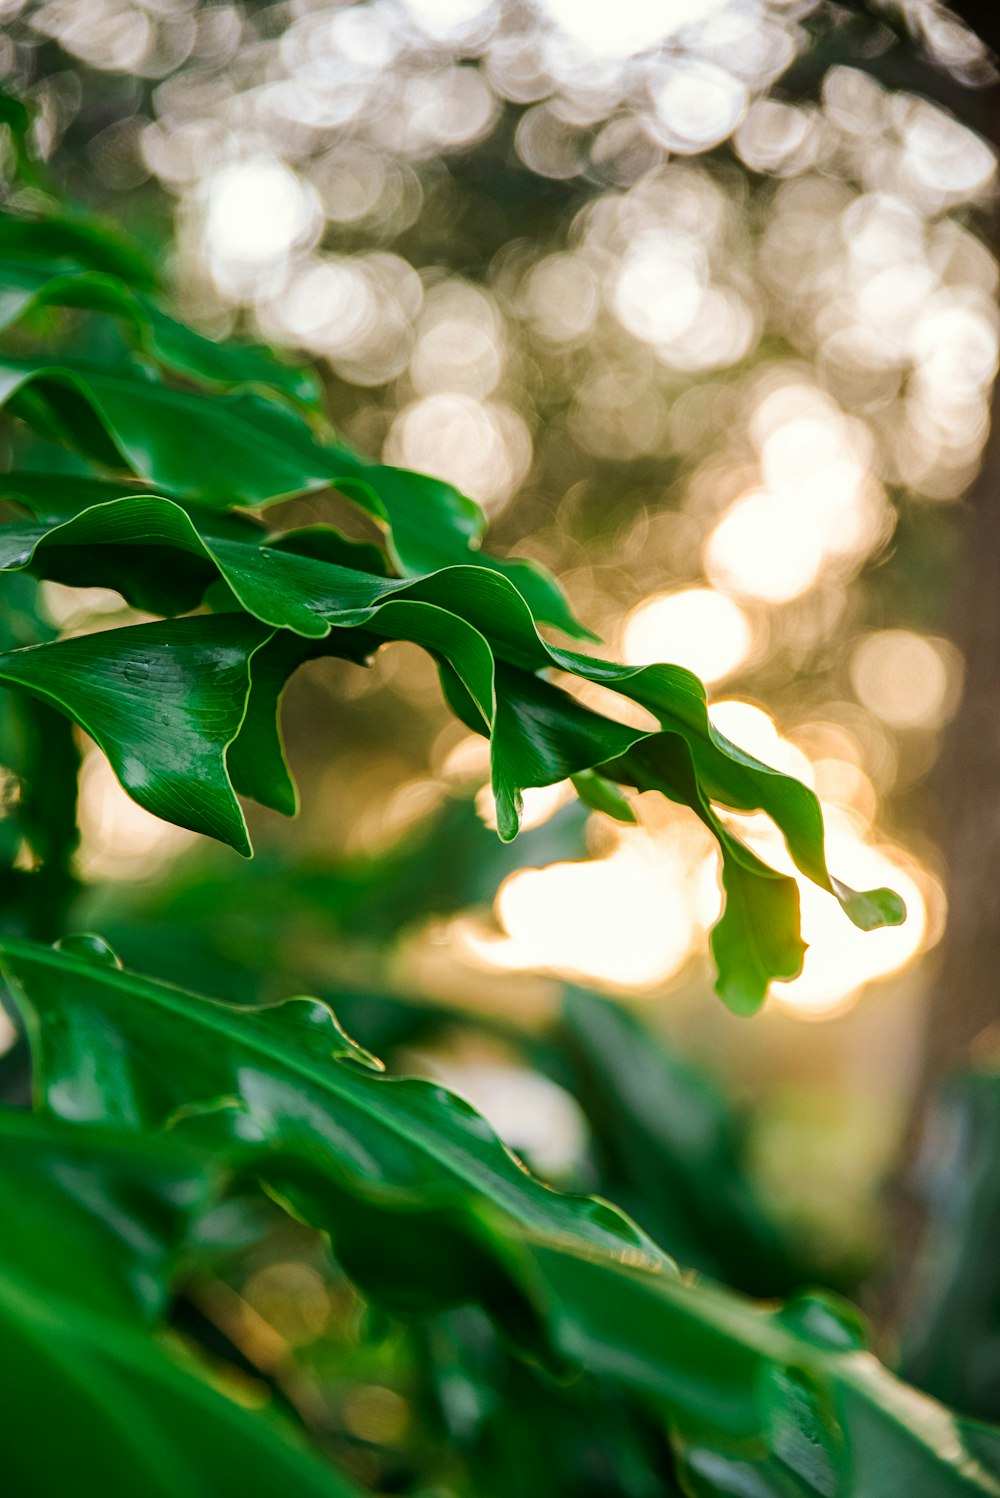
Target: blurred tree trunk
(967,992)
(966,995)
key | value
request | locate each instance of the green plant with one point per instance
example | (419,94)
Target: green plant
(143,456)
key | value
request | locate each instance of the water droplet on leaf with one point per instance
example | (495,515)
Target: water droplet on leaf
(825,1321)
(91,948)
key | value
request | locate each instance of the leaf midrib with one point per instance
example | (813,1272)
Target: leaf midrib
(218,1017)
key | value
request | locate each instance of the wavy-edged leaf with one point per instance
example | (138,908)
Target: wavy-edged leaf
(94,1222)
(431,526)
(424,1175)
(164,702)
(533,724)
(764,1403)
(239,449)
(482,632)
(425,1207)
(543,735)
(256,760)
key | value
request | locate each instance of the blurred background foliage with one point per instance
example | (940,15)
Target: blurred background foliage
(699,299)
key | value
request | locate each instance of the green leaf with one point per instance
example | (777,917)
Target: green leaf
(70,234)
(601,794)
(91,1187)
(782,1404)
(256,760)
(671,1148)
(432,526)
(952,1321)
(14,114)
(16,117)
(757,939)
(481,631)
(425,1208)
(497,1414)
(54,497)
(406,1177)
(228,365)
(240,449)
(94,1225)
(25,286)
(164,702)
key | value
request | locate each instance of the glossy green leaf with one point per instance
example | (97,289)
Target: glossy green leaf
(255,760)
(430,526)
(95,1223)
(425,1207)
(164,702)
(481,630)
(765,1403)
(55,497)
(425,1177)
(242,450)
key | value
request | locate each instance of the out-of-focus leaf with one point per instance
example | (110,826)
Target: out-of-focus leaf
(55,497)
(38,831)
(601,794)
(15,116)
(426,1208)
(199,922)
(670,1149)
(27,285)
(94,1223)
(72,236)
(497,1413)
(951,1334)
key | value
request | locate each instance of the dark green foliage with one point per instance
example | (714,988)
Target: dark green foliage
(156,1106)
(671,1150)
(477,616)
(954,1328)
(96,1224)
(425,1209)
